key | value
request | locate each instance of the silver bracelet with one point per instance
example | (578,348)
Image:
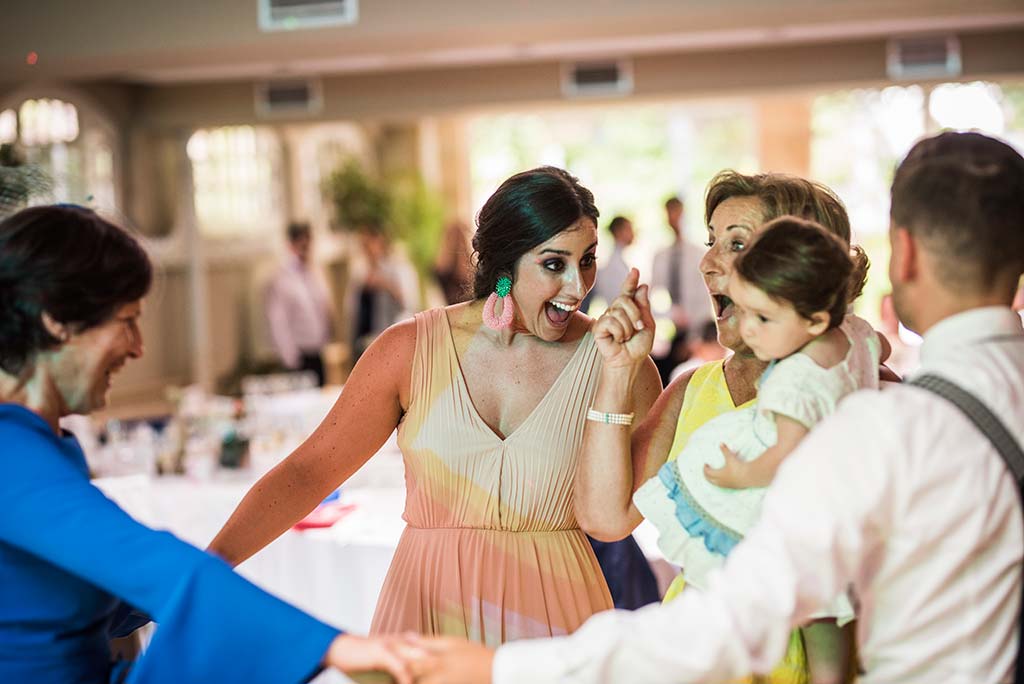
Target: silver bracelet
(610,418)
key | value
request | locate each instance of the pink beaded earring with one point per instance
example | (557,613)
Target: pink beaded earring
(502,289)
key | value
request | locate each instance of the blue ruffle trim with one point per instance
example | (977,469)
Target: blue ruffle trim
(697,523)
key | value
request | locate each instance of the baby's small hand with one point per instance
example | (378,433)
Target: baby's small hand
(730,475)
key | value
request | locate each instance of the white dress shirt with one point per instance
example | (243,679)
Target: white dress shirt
(298,312)
(610,276)
(692,294)
(897,495)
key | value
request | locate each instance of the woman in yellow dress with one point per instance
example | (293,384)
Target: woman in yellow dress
(614,464)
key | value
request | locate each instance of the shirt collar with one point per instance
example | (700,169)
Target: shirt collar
(969,327)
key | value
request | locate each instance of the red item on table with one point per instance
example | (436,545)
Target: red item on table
(324,516)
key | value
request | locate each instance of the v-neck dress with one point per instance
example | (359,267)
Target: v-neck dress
(492,550)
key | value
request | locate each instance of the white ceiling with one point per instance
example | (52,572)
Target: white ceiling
(196,40)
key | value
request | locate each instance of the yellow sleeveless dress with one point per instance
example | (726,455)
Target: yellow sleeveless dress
(707,396)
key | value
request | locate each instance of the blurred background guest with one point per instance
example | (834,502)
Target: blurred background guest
(612,273)
(453,268)
(702,349)
(384,287)
(678,290)
(298,307)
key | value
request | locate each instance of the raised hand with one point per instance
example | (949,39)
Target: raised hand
(625,332)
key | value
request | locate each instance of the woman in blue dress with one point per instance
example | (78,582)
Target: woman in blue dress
(72,564)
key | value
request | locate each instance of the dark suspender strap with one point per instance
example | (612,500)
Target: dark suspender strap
(983,419)
(990,426)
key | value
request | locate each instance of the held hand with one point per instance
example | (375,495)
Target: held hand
(625,332)
(356,655)
(452,661)
(731,475)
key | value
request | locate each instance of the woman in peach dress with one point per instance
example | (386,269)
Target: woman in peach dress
(489,401)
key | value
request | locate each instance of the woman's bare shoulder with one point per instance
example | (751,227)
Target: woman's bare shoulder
(397,337)
(391,353)
(464,317)
(677,387)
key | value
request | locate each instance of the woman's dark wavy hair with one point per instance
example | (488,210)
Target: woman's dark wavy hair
(528,209)
(69,262)
(803,263)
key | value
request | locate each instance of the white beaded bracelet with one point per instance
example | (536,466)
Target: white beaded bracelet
(610,418)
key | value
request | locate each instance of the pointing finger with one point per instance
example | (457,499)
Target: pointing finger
(643,301)
(630,283)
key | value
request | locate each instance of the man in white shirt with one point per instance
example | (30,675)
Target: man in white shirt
(298,307)
(611,273)
(896,496)
(676,280)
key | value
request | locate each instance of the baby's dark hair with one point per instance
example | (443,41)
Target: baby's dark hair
(802,263)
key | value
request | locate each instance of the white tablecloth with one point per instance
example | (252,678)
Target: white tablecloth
(334,574)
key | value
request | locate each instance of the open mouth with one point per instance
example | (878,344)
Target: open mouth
(112,371)
(723,306)
(558,313)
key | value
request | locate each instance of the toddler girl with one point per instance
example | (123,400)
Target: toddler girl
(791,289)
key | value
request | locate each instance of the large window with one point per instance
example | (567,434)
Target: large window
(236,172)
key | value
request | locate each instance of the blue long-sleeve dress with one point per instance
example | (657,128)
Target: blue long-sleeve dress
(70,559)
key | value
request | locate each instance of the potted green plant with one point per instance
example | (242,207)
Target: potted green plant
(359,201)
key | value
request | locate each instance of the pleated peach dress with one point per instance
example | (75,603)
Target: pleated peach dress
(491,551)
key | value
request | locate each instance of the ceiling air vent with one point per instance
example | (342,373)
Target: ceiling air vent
(288,98)
(581,79)
(923,57)
(286,15)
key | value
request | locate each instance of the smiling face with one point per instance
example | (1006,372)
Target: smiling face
(84,365)
(771,328)
(732,226)
(553,278)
